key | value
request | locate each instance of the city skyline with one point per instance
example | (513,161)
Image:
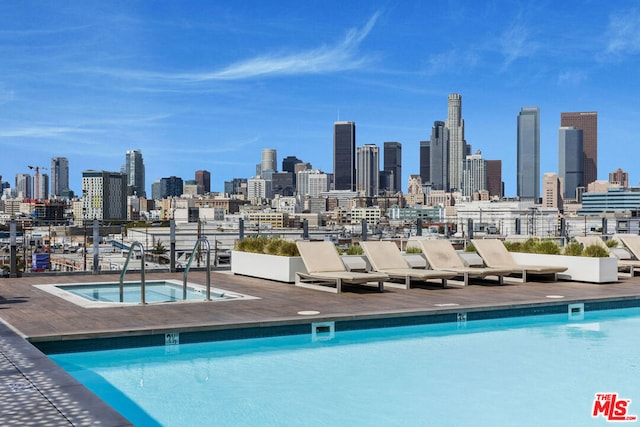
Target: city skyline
(209,87)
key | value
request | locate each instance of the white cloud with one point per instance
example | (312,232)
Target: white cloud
(515,43)
(623,33)
(451,62)
(42,132)
(324,59)
(572,78)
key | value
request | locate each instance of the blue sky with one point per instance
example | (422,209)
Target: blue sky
(209,84)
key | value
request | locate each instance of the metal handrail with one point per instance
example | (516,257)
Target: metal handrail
(124,271)
(188,265)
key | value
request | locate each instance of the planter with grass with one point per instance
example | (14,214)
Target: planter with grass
(267,258)
(591,264)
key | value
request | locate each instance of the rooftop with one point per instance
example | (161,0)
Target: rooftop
(36,387)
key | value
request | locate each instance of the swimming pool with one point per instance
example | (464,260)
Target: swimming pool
(107,294)
(534,370)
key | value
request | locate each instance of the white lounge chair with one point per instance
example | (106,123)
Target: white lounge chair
(623,264)
(441,255)
(385,257)
(632,243)
(495,255)
(326,271)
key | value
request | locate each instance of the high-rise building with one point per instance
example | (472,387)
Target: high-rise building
(41,187)
(425,161)
(172,186)
(59,176)
(494,178)
(570,158)
(312,183)
(552,191)
(203,178)
(236,186)
(104,195)
(368,170)
(528,162)
(587,122)
(344,156)
(269,163)
(474,175)
(439,157)
(393,163)
(282,183)
(24,185)
(258,188)
(619,177)
(457,144)
(289,163)
(134,169)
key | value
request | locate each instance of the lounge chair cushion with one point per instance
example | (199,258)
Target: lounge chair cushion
(320,257)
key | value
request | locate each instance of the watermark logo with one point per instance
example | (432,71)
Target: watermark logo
(612,408)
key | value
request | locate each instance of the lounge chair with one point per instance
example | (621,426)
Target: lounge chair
(632,243)
(441,255)
(495,255)
(385,257)
(623,264)
(326,270)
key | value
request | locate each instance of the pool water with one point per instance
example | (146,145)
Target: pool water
(527,371)
(92,295)
(160,291)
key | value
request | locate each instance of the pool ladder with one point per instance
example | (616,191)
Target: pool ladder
(188,266)
(124,271)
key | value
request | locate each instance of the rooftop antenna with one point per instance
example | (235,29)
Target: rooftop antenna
(338,118)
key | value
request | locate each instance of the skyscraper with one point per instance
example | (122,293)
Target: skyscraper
(367,169)
(172,186)
(588,123)
(41,187)
(552,191)
(619,177)
(203,177)
(59,176)
(269,163)
(528,162)
(425,161)
(474,175)
(344,156)
(104,195)
(289,164)
(439,157)
(494,178)
(570,158)
(457,143)
(134,169)
(393,163)
(23,185)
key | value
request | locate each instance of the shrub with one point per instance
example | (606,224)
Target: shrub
(288,248)
(513,246)
(595,251)
(469,247)
(573,249)
(272,247)
(354,250)
(413,250)
(528,246)
(265,245)
(251,244)
(548,247)
(611,243)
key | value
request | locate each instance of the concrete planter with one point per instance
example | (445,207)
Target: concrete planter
(580,269)
(270,267)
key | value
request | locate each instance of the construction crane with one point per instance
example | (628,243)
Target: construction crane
(36,185)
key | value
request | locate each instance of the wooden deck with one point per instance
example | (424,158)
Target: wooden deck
(39,316)
(34,388)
